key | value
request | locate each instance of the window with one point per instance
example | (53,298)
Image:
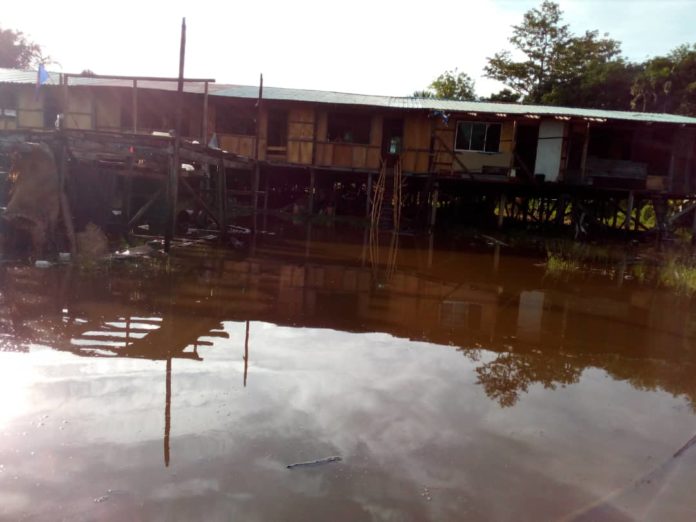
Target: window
(8,102)
(478,136)
(277,128)
(349,128)
(235,120)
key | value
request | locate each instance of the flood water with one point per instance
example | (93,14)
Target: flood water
(454,381)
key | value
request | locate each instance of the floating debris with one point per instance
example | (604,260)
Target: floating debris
(317,462)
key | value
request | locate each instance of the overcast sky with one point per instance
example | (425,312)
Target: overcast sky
(364,46)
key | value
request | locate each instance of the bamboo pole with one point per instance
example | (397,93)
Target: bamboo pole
(175,167)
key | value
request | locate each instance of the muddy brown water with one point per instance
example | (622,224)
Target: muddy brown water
(455,382)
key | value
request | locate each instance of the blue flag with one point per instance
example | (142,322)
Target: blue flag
(41,78)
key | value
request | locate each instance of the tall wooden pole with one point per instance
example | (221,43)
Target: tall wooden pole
(257,168)
(173,186)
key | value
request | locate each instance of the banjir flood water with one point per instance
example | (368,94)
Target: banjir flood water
(317,377)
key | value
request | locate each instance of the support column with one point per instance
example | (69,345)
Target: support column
(173,186)
(312,186)
(629,211)
(434,198)
(501,210)
(135,106)
(368,198)
(222,196)
(585,146)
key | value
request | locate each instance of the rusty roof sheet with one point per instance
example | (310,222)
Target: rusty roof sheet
(366,100)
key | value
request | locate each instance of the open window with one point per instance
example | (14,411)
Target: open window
(52,107)
(8,102)
(478,136)
(277,128)
(349,128)
(235,120)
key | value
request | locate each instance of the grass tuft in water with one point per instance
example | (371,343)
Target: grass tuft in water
(679,274)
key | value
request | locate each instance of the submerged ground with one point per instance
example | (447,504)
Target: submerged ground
(457,380)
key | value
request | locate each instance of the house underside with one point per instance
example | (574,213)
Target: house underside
(312,152)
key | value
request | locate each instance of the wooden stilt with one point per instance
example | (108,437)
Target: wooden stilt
(368,197)
(312,187)
(629,211)
(501,210)
(434,198)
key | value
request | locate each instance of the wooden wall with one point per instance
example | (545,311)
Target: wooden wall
(301,134)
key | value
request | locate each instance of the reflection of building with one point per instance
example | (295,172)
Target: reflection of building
(535,330)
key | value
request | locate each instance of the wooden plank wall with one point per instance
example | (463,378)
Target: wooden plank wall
(349,155)
(300,135)
(416,143)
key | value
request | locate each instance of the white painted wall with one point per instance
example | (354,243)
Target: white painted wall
(548,159)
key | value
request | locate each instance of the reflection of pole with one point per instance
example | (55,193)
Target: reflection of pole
(431,247)
(246,353)
(168,411)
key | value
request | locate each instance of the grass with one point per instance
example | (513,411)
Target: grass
(679,275)
(558,266)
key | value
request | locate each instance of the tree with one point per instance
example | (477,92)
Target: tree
(450,85)
(554,58)
(423,94)
(453,85)
(667,83)
(506,96)
(17,52)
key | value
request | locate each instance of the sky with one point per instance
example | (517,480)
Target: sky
(359,46)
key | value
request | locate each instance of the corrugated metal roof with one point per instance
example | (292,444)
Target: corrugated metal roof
(340,98)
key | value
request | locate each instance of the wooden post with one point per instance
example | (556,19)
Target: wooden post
(368,197)
(585,146)
(266,183)
(222,195)
(135,106)
(693,230)
(629,212)
(312,186)
(128,193)
(560,210)
(639,207)
(173,191)
(433,204)
(204,133)
(501,210)
(257,145)
(513,148)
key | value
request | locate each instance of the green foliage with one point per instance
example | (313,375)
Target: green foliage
(667,83)
(16,52)
(450,85)
(555,61)
(423,94)
(679,274)
(505,96)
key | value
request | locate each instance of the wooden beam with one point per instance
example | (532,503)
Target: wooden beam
(141,78)
(145,207)
(201,202)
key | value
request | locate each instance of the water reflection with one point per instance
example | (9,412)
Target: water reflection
(435,368)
